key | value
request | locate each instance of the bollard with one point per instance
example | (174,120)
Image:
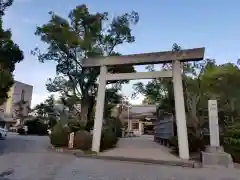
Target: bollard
(71,140)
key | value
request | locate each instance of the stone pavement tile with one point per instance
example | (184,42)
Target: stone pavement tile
(26,158)
(141,147)
(105,170)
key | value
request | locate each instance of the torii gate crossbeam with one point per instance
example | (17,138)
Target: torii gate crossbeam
(147,58)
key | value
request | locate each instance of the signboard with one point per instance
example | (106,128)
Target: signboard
(213,123)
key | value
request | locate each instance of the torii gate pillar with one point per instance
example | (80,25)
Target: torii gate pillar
(148,58)
(180,111)
(98,121)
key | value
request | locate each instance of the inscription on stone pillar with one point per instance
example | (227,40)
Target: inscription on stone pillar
(213,123)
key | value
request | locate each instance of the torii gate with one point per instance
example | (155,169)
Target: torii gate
(175,58)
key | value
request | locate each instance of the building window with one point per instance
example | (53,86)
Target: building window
(22,95)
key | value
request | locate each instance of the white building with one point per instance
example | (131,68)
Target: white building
(19,91)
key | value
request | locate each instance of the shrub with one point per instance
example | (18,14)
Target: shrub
(195,143)
(75,125)
(36,127)
(109,139)
(21,131)
(82,140)
(116,126)
(60,135)
(232,141)
(52,122)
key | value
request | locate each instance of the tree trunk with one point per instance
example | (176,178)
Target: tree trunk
(90,107)
(232,106)
(85,103)
(90,120)
(194,116)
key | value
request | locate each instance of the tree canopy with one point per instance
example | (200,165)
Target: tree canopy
(10,54)
(83,35)
(202,81)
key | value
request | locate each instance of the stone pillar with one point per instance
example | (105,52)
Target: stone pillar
(214,155)
(128,128)
(98,121)
(180,111)
(130,125)
(140,128)
(213,123)
(129,120)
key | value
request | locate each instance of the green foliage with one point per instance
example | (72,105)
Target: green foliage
(75,125)
(52,122)
(232,141)
(36,127)
(115,124)
(215,80)
(47,111)
(60,135)
(109,139)
(201,81)
(70,103)
(21,131)
(47,108)
(83,35)
(82,140)
(10,54)
(196,144)
(112,98)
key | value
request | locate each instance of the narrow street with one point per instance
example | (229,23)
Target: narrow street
(27,158)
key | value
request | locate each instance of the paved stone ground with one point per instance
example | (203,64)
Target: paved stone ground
(141,147)
(26,158)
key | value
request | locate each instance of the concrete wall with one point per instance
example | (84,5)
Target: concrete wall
(5,107)
(20,91)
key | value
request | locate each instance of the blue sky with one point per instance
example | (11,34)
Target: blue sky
(213,24)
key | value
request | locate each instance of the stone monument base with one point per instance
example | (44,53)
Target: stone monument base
(216,157)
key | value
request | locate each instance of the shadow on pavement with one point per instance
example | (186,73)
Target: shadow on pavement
(3,146)
(5,173)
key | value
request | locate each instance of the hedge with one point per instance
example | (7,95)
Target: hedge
(232,141)
(83,139)
(60,135)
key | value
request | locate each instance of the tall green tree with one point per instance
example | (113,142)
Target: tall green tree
(83,35)
(202,81)
(10,54)
(160,91)
(112,98)
(46,109)
(222,83)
